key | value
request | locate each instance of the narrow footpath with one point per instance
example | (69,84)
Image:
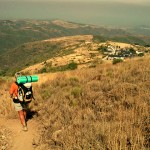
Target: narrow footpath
(21,140)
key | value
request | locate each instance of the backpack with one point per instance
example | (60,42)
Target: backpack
(25,93)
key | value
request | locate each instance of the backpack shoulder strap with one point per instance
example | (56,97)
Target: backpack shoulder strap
(22,86)
(19,85)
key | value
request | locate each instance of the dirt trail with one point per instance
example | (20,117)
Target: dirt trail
(21,140)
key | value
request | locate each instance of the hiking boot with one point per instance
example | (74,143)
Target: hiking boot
(25,128)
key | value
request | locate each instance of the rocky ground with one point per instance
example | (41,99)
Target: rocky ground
(5,138)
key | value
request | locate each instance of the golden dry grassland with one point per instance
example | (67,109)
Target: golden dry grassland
(102,108)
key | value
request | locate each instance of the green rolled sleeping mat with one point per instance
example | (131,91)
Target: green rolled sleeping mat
(26,79)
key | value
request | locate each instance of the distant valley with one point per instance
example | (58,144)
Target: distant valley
(27,42)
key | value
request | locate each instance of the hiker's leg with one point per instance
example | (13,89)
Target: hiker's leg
(25,107)
(25,114)
(23,122)
(21,116)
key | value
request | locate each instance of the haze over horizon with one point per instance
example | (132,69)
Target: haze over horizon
(98,12)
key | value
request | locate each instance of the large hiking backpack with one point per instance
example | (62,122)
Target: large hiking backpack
(25,93)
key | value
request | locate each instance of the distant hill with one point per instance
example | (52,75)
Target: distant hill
(56,54)
(16,32)
(35,52)
(27,42)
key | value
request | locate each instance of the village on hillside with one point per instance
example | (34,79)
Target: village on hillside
(114,50)
(117,50)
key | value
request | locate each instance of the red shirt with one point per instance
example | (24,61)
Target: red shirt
(14,90)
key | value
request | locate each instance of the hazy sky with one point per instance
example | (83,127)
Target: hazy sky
(129,1)
(98,12)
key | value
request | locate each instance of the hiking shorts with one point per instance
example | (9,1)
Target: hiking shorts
(20,106)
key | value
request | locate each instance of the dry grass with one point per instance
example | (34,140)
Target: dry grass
(102,108)
(6,107)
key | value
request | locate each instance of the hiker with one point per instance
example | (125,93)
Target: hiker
(19,105)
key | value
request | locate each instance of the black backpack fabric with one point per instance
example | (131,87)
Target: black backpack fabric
(25,94)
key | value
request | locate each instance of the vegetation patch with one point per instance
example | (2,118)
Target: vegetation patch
(70,66)
(115,61)
(97,108)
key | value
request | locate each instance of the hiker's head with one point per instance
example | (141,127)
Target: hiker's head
(17,74)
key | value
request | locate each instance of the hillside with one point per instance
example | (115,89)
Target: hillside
(55,54)
(23,42)
(36,52)
(106,107)
(87,54)
(16,32)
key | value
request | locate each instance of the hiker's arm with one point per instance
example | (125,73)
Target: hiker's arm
(11,91)
(11,95)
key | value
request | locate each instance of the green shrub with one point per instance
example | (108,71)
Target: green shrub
(76,92)
(115,61)
(72,66)
(141,54)
(131,50)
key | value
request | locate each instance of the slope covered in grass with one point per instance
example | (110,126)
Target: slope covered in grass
(36,52)
(106,107)
(102,108)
